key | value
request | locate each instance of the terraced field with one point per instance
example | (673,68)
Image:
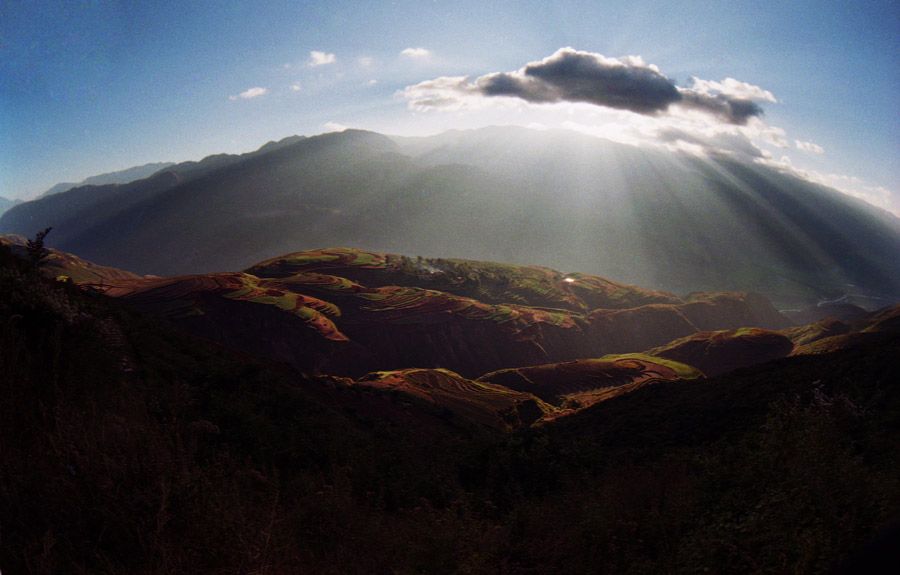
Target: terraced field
(540,340)
(490,282)
(402,305)
(584,382)
(185,296)
(481,402)
(332,259)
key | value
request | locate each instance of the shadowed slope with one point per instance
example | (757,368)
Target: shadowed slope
(481,402)
(584,382)
(63,265)
(874,327)
(805,334)
(723,351)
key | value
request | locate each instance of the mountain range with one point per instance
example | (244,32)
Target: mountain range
(117,177)
(668,220)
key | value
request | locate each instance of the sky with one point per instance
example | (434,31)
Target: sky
(88,87)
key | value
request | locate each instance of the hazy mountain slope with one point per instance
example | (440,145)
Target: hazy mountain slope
(230,216)
(118,177)
(89,206)
(6,204)
(563,200)
(79,208)
(673,220)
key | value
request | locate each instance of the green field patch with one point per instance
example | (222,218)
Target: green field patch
(683,370)
(312,260)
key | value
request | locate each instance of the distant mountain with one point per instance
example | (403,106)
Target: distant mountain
(87,207)
(654,218)
(5,204)
(118,177)
(140,172)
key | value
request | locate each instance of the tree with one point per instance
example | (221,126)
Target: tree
(37,253)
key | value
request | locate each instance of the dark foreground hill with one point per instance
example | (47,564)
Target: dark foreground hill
(128,447)
(563,200)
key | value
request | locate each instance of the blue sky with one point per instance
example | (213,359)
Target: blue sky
(89,87)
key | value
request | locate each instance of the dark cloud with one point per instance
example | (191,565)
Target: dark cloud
(572,76)
(732,110)
(503,84)
(625,84)
(584,77)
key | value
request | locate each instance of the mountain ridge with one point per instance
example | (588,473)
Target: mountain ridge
(646,217)
(116,177)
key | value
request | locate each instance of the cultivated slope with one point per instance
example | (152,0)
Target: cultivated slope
(132,448)
(349,312)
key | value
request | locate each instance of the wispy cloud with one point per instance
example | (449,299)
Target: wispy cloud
(295,87)
(317,58)
(574,76)
(732,88)
(810,147)
(366,61)
(415,52)
(250,93)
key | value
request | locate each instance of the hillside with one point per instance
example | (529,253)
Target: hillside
(668,221)
(130,446)
(349,312)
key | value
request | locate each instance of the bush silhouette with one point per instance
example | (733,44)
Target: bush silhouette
(37,253)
